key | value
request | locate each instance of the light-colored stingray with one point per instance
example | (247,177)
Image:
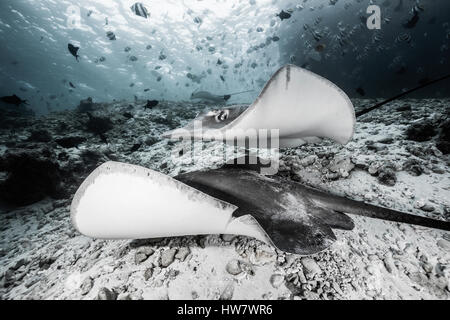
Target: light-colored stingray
(300,104)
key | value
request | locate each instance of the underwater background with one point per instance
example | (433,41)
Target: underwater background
(105,80)
(219,46)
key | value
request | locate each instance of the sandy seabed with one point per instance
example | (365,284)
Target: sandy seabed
(43,257)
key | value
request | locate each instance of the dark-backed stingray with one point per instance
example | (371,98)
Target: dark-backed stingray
(123,201)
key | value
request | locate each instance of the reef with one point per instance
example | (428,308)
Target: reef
(389,162)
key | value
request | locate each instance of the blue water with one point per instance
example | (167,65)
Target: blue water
(176,50)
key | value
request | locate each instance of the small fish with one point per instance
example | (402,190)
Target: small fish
(320,47)
(151,103)
(89,13)
(145,90)
(360,91)
(284,15)
(411,23)
(139,10)
(13,100)
(404,37)
(111,35)
(222,78)
(71,84)
(73,50)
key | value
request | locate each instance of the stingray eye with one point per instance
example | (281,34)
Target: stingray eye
(222,115)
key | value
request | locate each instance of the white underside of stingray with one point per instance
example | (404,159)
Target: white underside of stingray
(300,104)
(124,201)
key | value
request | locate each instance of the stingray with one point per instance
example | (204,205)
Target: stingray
(213,98)
(124,201)
(300,105)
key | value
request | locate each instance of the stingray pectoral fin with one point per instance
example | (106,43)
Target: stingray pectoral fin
(123,201)
(301,104)
(334,219)
(286,235)
(303,238)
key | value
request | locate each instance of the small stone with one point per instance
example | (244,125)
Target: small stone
(228,237)
(167,257)
(373,168)
(86,285)
(421,131)
(413,167)
(276,280)
(342,166)
(227,293)
(427,207)
(142,254)
(310,267)
(124,296)
(427,267)
(309,295)
(387,140)
(233,267)
(309,160)
(182,253)
(332,176)
(371,269)
(444,244)
(301,277)
(386,175)
(438,169)
(150,140)
(369,196)
(389,264)
(148,273)
(106,294)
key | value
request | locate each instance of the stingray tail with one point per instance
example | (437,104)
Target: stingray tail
(367,210)
(234,93)
(378,105)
